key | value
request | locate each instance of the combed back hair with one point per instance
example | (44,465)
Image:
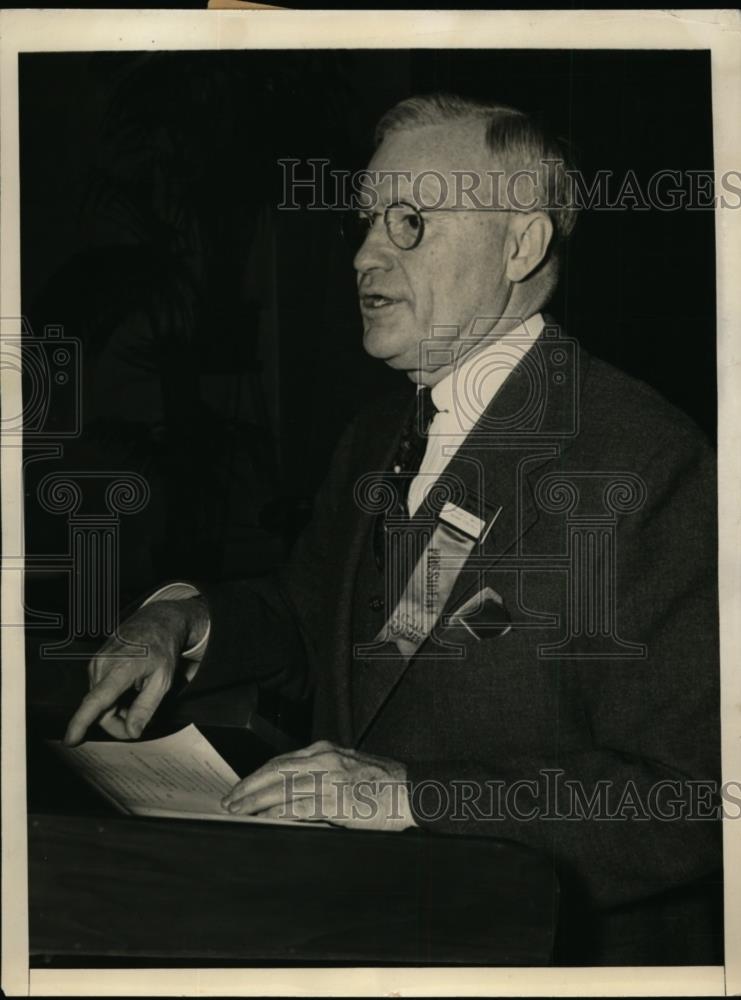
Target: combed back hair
(515,139)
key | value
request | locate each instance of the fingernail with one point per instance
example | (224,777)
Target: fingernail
(234,807)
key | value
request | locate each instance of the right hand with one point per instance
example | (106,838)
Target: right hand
(166,628)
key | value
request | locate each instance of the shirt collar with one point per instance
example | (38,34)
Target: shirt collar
(466,392)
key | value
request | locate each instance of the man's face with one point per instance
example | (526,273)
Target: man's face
(455,275)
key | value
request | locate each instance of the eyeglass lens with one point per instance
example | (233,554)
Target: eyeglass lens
(404,226)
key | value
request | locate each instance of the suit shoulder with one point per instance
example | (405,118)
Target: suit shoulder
(632,415)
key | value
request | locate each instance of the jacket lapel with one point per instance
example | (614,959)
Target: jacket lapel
(492,475)
(526,426)
(382,444)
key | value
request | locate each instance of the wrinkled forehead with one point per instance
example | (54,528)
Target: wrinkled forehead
(428,165)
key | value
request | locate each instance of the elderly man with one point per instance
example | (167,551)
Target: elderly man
(504,606)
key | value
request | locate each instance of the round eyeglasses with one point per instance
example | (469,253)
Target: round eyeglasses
(405,224)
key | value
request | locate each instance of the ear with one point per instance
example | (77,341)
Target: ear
(530,237)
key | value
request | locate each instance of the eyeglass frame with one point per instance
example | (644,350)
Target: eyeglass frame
(419,212)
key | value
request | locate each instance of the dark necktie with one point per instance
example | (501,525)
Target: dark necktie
(406,463)
(413,441)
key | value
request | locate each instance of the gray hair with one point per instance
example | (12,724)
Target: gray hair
(515,138)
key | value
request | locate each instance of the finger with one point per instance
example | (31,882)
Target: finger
(98,667)
(305,809)
(282,811)
(113,724)
(280,791)
(256,783)
(97,701)
(111,652)
(296,762)
(319,746)
(285,770)
(273,795)
(146,703)
(277,769)
(288,767)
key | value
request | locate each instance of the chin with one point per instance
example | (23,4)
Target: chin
(384,344)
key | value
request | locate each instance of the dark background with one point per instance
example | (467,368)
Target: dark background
(221,339)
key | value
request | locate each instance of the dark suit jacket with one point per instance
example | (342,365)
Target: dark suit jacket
(582,466)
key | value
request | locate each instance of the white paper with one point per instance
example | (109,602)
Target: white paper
(179,776)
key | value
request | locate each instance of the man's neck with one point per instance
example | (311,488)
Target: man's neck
(467,348)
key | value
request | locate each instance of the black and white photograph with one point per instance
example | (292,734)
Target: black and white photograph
(367,574)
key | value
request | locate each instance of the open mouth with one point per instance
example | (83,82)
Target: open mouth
(372,302)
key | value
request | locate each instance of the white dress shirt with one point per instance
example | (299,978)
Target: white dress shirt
(463,395)
(460,399)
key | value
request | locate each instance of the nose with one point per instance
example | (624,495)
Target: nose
(377,250)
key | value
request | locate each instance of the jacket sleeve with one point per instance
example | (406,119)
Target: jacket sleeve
(265,630)
(637,811)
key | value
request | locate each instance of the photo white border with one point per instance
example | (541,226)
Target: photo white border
(80,30)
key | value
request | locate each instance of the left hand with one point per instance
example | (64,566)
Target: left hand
(324,782)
